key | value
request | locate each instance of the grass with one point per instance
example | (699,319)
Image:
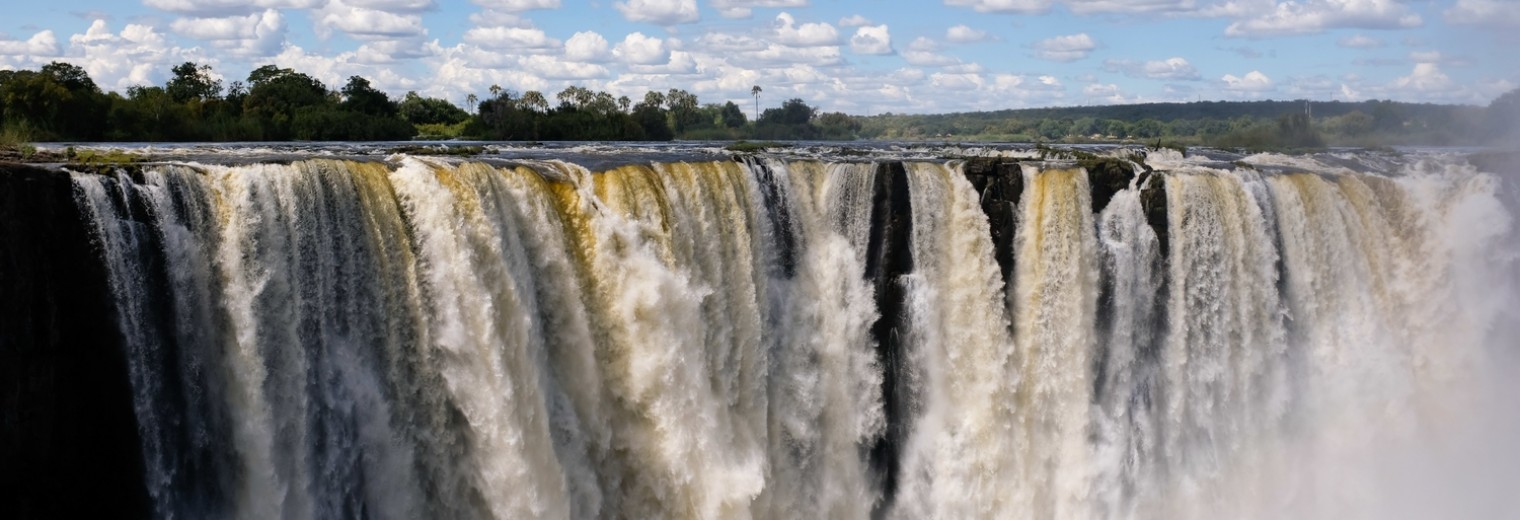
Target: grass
(17,141)
(440,131)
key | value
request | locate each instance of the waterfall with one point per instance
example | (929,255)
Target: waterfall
(785,337)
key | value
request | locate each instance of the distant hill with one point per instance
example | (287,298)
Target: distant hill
(1229,123)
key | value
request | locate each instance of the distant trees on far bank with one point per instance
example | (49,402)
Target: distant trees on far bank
(60,102)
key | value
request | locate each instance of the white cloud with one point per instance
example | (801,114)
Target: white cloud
(659,12)
(680,63)
(745,8)
(1101,90)
(1497,14)
(354,19)
(638,49)
(787,32)
(1425,78)
(587,46)
(1170,69)
(517,6)
(138,55)
(398,6)
(965,34)
(1065,48)
(924,52)
(41,44)
(391,51)
(549,67)
(1360,41)
(260,34)
(510,38)
(1257,19)
(875,40)
(855,20)
(1004,6)
(1253,81)
(230,7)
(1130,6)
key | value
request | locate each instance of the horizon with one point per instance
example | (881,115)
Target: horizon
(855,57)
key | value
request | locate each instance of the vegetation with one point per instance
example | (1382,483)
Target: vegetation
(1250,124)
(60,102)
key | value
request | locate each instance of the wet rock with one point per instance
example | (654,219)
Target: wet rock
(68,434)
(889,256)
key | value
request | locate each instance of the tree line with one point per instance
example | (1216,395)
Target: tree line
(60,102)
(1231,124)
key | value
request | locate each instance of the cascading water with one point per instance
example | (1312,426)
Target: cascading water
(802,337)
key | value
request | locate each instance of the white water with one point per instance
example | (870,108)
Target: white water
(694,340)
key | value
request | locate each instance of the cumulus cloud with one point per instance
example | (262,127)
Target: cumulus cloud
(659,12)
(1253,81)
(42,44)
(391,51)
(138,55)
(745,8)
(638,49)
(517,6)
(1004,6)
(1130,6)
(212,8)
(261,34)
(923,52)
(855,20)
(1256,19)
(1360,41)
(872,39)
(549,67)
(1065,48)
(510,38)
(356,18)
(1425,78)
(587,46)
(965,34)
(1171,69)
(788,32)
(1497,14)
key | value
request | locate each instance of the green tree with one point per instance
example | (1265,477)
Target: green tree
(359,96)
(420,110)
(192,82)
(682,107)
(731,115)
(276,95)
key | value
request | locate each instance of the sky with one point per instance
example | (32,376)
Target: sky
(861,57)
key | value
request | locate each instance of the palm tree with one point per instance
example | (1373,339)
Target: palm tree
(755,91)
(535,101)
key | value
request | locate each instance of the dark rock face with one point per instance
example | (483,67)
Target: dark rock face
(1107,177)
(1000,184)
(1153,200)
(68,435)
(888,257)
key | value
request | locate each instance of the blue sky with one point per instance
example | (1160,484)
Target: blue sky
(856,56)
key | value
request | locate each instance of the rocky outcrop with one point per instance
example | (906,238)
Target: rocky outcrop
(889,256)
(1000,184)
(68,435)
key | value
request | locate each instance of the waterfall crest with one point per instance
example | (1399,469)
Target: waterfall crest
(800,337)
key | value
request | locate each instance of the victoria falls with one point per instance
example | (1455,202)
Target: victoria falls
(892,331)
(760,260)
